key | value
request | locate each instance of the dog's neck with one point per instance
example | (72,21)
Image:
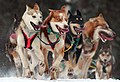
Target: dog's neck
(24,27)
(91,40)
(73,35)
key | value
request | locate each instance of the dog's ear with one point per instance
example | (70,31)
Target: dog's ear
(63,8)
(36,7)
(78,12)
(69,13)
(51,10)
(100,49)
(48,18)
(28,8)
(93,20)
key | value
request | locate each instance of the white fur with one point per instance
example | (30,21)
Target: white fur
(60,24)
(36,54)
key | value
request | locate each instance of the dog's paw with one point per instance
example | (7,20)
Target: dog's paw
(41,68)
(53,69)
(27,73)
(47,71)
(17,62)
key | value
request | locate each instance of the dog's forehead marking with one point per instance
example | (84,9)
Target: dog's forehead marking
(103,53)
(61,15)
(107,53)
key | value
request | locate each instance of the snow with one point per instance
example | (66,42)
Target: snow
(20,79)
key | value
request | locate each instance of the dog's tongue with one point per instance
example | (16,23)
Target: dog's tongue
(108,38)
(13,36)
(79,29)
(78,36)
(40,26)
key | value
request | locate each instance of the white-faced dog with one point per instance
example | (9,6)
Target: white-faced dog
(28,45)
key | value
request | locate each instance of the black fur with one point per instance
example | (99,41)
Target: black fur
(69,36)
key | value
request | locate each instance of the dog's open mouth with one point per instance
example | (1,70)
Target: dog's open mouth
(78,30)
(104,36)
(62,31)
(36,27)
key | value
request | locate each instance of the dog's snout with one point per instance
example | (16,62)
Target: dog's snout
(82,26)
(65,26)
(105,60)
(114,34)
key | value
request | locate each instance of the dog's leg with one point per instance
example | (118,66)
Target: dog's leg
(108,69)
(55,67)
(40,56)
(97,74)
(45,52)
(86,67)
(33,61)
(80,65)
(17,62)
(26,69)
(70,64)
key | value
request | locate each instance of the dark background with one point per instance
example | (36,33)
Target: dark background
(89,8)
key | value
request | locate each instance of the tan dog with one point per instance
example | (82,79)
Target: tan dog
(53,38)
(104,63)
(28,45)
(94,30)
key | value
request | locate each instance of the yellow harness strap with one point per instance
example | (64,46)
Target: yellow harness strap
(69,48)
(92,67)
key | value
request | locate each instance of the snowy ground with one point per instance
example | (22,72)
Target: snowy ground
(14,79)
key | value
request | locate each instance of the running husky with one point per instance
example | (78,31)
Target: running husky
(94,30)
(104,63)
(73,41)
(28,45)
(53,38)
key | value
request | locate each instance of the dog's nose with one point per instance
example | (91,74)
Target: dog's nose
(39,23)
(105,60)
(81,25)
(114,34)
(65,26)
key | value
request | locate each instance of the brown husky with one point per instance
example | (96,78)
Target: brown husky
(94,30)
(53,38)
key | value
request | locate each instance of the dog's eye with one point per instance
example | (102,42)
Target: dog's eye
(34,16)
(102,54)
(107,55)
(80,18)
(41,17)
(77,18)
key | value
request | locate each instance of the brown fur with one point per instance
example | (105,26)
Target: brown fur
(58,51)
(86,57)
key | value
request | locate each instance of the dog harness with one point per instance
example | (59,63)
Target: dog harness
(105,64)
(28,40)
(46,32)
(74,41)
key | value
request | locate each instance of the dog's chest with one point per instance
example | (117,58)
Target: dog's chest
(52,37)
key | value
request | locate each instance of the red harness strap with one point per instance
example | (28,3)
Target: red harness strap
(28,41)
